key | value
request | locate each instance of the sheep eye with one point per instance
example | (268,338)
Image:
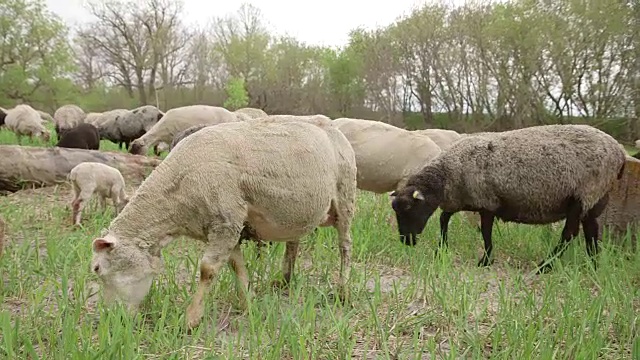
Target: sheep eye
(96,268)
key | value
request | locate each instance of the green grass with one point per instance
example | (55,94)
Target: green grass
(405,304)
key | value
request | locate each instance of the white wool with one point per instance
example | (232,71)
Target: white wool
(24,120)
(386,155)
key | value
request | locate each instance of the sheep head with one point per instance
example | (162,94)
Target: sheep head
(137,148)
(125,269)
(416,202)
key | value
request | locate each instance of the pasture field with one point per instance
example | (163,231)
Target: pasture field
(404,304)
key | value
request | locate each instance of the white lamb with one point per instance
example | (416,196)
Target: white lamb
(178,119)
(25,120)
(280,178)
(443,138)
(90,177)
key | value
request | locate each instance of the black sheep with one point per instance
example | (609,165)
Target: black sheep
(83,136)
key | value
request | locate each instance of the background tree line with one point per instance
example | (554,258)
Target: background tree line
(481,66)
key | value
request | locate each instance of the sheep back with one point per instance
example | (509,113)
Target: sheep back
(251,113)
(386,155)
(443,138)
(532,172)
(83,136)
(67,117)
(178,119)
(281,177)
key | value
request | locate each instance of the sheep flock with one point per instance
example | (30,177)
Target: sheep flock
(248,175)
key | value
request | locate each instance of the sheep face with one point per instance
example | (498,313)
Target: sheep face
(125,269)
(45,136)
(413,209)
(2,116)
(137,148)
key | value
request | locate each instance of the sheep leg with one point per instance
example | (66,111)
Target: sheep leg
(77,205)
(570,230)
(344,212)
(444,229)
(221,241)
(288,264)
(236,262)
(486,226)
(590,229)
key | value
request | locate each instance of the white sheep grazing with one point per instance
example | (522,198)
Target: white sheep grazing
(443,138)
(67,117)
(251,113)
(178,119)
(637,143)
(91,177)
(25,120)
(280,178)
(386,155)
(46,117)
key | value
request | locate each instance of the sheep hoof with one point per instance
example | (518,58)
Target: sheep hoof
(280,283)
(484,262)
(544,268)
(193,319)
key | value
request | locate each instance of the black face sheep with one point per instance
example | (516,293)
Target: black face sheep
(83,136)
(282,179)
(535,175)
(178,119)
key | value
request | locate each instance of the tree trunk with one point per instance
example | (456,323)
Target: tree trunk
(623,210)
(26,166)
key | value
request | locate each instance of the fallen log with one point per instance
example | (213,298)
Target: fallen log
(1,235)
(27,166)
(623,210)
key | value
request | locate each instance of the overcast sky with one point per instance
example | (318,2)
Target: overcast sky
(325,22)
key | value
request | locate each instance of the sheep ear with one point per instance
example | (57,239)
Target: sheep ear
(393,193)
(100,245)
(418,195)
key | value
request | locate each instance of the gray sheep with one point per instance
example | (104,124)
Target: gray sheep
(282,178)
(535,175)
(136,122)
